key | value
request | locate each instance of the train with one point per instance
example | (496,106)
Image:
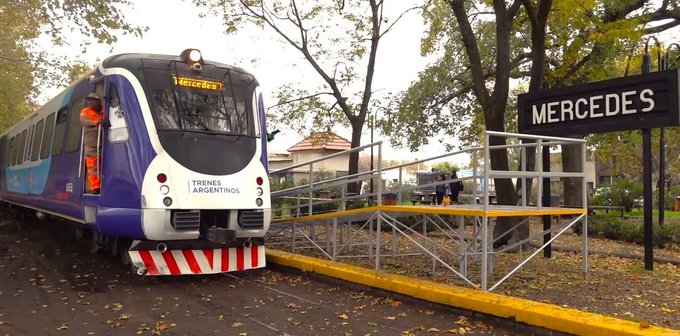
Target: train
(182,160)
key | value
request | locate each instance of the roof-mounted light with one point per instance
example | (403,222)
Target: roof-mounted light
(193,58)
(194,55)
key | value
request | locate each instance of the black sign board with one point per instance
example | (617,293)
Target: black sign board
(636,102)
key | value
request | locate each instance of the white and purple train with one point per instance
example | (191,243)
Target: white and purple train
(183,164)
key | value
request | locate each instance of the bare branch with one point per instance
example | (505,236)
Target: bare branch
(301,98)
(14,59)
(397,20)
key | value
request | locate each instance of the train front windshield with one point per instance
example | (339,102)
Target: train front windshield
(214,100)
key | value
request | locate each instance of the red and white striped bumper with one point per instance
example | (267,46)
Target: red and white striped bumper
(208,261)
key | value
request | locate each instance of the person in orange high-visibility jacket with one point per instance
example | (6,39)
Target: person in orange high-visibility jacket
(91,117)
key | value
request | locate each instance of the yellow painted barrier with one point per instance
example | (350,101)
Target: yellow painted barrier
(530,312)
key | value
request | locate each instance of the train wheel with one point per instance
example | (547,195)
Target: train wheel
(80,233)
(114,246)
(97,242)
(123,247)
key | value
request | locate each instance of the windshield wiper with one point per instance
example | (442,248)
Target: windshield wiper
(197,121)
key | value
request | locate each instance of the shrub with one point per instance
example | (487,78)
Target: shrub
(616,228)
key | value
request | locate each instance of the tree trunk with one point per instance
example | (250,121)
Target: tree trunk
(353,168)
(573,188)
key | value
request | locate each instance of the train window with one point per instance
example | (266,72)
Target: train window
(47,137)
(9,155)
(29,142)
(3,156)
(22,147)
(118,131)
(37,137)
(59,131)
(218,101)
(74,127)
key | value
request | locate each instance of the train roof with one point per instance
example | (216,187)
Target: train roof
(132,61)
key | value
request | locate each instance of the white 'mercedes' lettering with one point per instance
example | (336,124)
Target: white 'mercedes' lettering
(581,113)
(539,117)
(626,101)
(552,112)
(594,106)
(567,107)
(646,97)
(597,106)
(609,108)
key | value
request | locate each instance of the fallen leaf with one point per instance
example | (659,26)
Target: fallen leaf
(390,317)
(644,325)
(63,326)
(343,316)
(236,324)
(433,330)
(160,326)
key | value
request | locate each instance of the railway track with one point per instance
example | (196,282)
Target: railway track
(50,285)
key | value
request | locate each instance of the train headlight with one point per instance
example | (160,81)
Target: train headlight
(259,191)
(167,201)
(165,189)
(259,201)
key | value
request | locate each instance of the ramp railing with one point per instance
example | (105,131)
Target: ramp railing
(463,239)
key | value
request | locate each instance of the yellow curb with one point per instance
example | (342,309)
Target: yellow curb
(530,312)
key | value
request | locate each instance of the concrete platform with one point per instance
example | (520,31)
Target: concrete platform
(521,310)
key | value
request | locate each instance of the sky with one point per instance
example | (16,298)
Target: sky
(273,63)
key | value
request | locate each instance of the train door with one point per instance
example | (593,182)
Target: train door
(92,149)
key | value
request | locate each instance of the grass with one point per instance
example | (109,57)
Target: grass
(638,212)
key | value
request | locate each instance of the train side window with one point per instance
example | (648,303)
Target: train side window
(29,142)
(118,131)
(22,147)
(59,131)
(9,156)
(37,137)
(74,127)
(47,137)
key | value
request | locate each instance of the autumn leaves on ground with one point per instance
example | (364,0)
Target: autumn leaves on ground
(615,286)
(52,285)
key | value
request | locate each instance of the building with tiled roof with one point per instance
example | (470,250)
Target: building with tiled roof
(313,147)
(322,141)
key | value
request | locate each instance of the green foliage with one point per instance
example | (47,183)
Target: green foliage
(625,192)
(616,228)
(621,193)
(445,167)
(671,195)
(25,68)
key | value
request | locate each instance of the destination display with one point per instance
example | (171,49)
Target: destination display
(197,83)
(635,102)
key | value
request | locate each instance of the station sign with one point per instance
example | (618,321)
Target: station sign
(636,102)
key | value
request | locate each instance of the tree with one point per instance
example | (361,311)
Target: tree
(483,44)
(336,38)
(24,67)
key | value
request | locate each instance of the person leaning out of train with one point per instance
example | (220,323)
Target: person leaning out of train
(91,117)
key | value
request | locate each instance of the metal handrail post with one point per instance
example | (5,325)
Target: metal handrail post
(380,184)
(539,177)
(311,174)
(485,219)
(584,230)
